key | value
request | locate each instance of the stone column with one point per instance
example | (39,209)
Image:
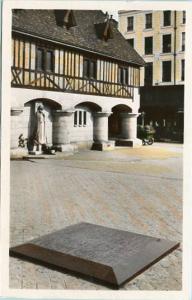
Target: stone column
(61,130)
(129,129)
(100,131)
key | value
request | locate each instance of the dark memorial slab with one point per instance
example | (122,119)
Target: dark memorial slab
(108,255)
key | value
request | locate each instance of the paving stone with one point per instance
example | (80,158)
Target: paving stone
(128,189)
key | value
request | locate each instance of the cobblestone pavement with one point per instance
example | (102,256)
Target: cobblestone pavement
(138,190)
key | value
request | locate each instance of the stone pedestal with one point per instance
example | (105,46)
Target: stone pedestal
(61,130)
(129,130)
(35,152)
(100,132)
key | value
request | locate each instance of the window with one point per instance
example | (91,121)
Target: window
(182,70)
(44,60)
(75,118)
(131,42)
(149,74)
(80,118)
(167,18)
(149,45)
(40,59)
(166,43)
(184,17)
(84,118)
(183,41)
(89,68)
(148,21)
(123,75)
(49,61)
(166,72)
(130,23)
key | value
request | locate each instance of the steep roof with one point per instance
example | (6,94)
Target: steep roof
(42,23)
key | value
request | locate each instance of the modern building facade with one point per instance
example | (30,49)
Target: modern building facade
(80,68)
(159,37)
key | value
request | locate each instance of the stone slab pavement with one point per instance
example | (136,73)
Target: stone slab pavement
(138,190)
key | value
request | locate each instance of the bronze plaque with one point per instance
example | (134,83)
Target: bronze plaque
(109,255)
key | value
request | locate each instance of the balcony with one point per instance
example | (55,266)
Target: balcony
(32,79)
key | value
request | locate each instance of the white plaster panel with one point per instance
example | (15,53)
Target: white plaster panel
(33,49)
(82,133)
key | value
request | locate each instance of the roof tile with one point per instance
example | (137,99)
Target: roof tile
(42,23)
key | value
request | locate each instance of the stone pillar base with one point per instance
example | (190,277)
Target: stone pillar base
(65,148)
(129,143)
(18,153)
(103,146)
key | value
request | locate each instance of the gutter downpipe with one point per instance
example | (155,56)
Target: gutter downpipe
(174,54)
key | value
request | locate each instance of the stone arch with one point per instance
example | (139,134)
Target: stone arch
(121,108)
(90,105)
(115,119)
(52,103)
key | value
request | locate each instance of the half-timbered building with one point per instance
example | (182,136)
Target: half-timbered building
(79,66)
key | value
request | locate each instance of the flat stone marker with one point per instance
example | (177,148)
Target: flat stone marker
(108,255)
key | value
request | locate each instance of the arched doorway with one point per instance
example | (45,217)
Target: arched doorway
(115,120)
(30,109)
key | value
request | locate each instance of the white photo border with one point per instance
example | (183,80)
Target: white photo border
(186,293)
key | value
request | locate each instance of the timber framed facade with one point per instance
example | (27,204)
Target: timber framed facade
(83,64)
(67,71)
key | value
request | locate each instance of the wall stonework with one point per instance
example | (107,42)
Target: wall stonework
(139,33)
(82,133)
(59,111)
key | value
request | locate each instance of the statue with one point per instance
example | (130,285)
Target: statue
(39,137)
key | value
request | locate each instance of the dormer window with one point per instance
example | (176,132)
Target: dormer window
(104,30)
(65,17)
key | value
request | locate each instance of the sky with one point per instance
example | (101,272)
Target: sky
(114,13)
